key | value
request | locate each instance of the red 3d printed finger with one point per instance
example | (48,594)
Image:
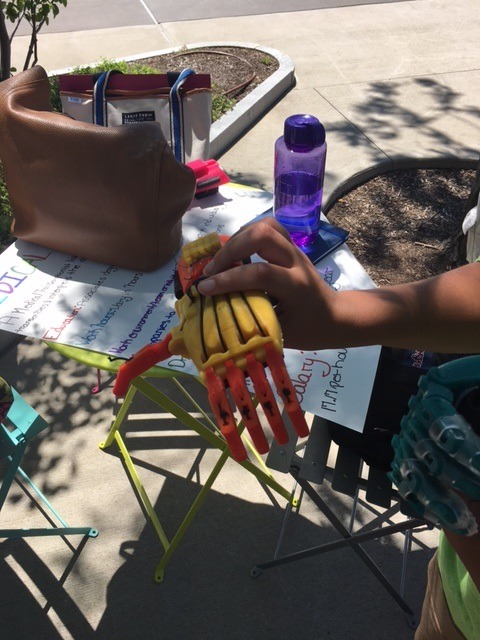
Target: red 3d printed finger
(243,400)
(223,413)
(265,396)
(286,391)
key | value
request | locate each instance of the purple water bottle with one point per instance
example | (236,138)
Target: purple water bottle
(299,171)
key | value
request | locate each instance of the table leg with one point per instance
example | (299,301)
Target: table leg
(259,470)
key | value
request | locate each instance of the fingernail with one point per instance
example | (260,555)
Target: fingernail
(208,268)
(205,286)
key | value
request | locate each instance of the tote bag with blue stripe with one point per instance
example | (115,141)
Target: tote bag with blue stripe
(181,102)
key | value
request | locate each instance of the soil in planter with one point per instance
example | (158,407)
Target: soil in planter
(404,224)
(235,71)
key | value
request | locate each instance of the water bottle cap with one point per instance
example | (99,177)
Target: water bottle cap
(303,132)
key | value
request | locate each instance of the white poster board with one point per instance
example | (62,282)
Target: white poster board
(52,296)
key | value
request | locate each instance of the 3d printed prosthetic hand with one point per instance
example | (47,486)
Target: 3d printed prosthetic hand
(228,337)
(437,453)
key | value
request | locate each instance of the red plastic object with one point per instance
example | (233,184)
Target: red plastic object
(286,391)
(243,400)
(223,413)
(141,362)
(188,274)
(208,175)
(264,393)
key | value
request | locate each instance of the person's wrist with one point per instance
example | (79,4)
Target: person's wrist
(348,319)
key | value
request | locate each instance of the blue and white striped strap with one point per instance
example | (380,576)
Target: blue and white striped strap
(176,119)
(99,103)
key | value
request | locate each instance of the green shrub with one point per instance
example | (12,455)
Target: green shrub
(125,67)
(220,103)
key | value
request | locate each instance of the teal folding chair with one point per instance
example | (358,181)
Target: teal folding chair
(19,424)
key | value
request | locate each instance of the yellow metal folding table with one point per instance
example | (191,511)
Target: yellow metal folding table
(208,431)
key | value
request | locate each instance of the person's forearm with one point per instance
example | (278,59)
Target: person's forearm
(439,314)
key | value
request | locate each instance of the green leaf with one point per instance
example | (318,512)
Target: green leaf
(35,12)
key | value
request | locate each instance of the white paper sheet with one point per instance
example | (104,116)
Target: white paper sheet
(60,298)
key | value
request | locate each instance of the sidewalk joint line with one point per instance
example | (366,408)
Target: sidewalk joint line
(167,36)
(145,6)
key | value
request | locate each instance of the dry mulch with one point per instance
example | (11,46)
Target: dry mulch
(404,224)
(235,71)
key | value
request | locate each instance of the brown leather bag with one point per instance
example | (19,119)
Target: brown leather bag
(114,195)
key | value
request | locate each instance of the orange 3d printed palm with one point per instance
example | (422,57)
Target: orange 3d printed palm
(228,337)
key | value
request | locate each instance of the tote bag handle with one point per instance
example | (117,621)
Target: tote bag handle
(176,115)
(100,113)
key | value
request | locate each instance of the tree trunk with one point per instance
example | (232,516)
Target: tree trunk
(5,49)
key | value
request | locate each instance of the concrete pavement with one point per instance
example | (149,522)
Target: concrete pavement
(87,15)
(391,82)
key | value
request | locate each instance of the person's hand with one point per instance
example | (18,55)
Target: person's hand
(303,302)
